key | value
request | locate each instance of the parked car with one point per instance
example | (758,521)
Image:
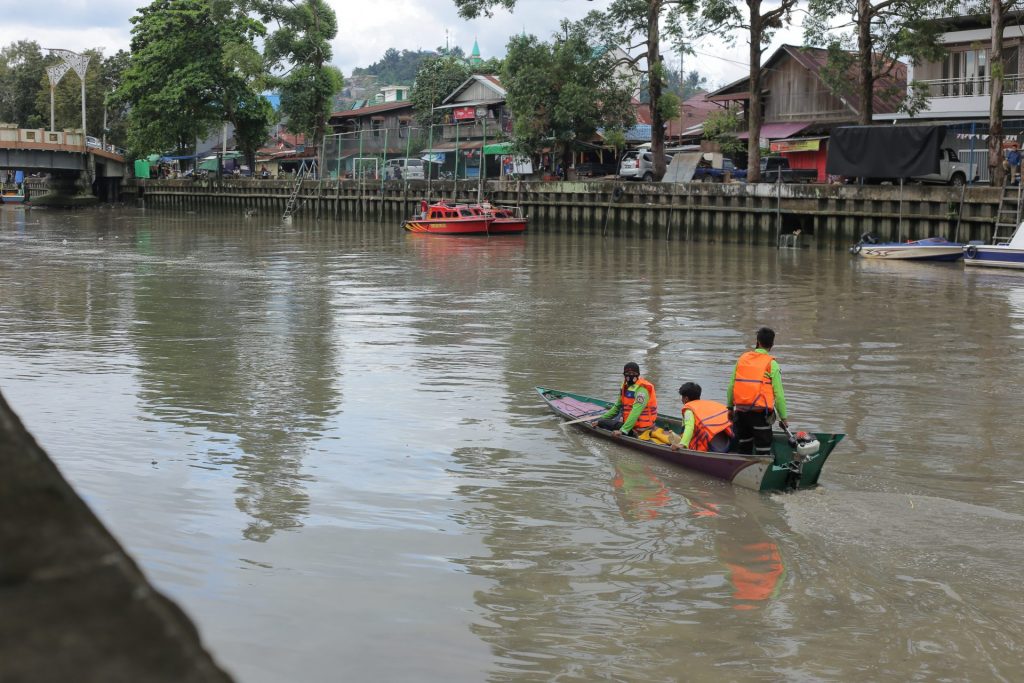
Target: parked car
(774,169)
(705,173)
(637,165)
(90,141)
(409,169)
(952,171)
(593,169)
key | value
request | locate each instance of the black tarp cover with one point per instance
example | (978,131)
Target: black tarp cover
(884,151)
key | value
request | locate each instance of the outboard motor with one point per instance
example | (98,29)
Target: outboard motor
(804,444)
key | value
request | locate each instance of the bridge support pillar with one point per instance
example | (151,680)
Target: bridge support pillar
(67,189)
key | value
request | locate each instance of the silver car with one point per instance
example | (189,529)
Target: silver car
(637,165)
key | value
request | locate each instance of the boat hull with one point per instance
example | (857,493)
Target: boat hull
(910,251)
(994,256)
(450,227)
(782,471)
(12,199)
(508,226)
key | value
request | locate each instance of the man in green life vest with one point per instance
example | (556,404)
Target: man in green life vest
(637,403)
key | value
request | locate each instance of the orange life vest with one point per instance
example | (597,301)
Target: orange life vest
(650,412)
(753,385)
(709,420)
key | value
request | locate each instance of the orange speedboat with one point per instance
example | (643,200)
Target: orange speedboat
(443,218)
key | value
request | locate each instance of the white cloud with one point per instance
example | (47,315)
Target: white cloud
(365,31)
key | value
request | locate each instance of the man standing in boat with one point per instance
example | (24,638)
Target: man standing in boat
(706,425)
(637,402)
(755,396)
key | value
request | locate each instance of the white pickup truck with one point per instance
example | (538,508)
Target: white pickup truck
(952,171)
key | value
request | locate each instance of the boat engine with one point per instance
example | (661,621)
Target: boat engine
(805,445)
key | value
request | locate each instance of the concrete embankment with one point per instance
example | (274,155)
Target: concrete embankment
(75,607)
(824,215)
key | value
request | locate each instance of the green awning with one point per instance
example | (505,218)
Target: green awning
(498,148)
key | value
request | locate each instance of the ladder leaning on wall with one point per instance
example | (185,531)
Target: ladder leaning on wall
(293,199)
(1008,216)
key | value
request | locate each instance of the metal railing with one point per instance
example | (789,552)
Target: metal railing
(970,87)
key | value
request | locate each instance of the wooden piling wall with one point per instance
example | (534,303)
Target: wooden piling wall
(827,216)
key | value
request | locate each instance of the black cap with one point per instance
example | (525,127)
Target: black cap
(631,366)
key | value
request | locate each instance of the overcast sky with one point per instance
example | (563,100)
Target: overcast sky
(366,29)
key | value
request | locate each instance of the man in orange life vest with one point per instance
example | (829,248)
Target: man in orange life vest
(755,396)
(706,425)
(637,402)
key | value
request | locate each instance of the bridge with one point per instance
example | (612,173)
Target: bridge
(68,157)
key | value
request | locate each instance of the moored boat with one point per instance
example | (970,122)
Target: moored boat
(12,197)
(789,467)
(1008,254)
(928,249)
(443,218)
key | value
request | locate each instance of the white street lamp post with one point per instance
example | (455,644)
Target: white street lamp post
(55,72)
(80,63)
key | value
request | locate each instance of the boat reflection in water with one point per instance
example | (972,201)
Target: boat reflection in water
(753,562)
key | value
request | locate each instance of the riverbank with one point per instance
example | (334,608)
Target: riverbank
(821,215)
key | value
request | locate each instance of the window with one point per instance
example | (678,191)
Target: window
(403,128)
(375,126)
(953,156)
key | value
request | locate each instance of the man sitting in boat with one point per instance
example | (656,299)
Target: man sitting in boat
(755,396)
(706,424)
(637,403)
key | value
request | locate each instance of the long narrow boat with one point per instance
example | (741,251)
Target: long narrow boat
(443,218)
(786,469)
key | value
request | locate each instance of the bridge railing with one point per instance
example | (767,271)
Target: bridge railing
(12,137)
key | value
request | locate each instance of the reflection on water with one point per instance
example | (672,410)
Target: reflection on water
(323,440)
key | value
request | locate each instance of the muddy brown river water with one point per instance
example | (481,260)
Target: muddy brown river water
(323,442)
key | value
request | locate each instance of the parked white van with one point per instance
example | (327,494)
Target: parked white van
(408,169)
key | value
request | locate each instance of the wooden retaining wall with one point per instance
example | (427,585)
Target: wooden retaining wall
(825,215)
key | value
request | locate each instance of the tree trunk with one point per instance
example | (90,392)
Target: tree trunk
(754,113)
(865,57)
(654,80)
(995,107)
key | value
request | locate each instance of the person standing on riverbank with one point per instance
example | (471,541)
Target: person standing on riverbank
(706,425)
(755,396)
(637,402)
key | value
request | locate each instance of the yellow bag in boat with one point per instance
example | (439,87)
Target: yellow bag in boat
(659,435)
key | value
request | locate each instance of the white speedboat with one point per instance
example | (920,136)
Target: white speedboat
(1001,255)
(928,249)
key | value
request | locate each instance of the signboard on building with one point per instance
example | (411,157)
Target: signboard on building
(796,145)
(464,113)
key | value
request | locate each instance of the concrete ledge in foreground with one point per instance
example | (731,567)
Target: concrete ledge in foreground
(73,605)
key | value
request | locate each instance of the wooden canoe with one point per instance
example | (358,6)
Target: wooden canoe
(784,470)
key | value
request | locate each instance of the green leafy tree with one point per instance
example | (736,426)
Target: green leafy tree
(999,11)
(396,68)
(192,66)
(727,17)
(564,90)
(721,127)
(869,38)
(635,23)
(22,68)
(437,78)
(299,51)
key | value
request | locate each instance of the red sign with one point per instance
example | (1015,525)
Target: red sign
(463,113)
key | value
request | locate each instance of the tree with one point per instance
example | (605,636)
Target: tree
(692,84)
(191,67)
(396,68)
(999,10)
(721,127)
(301,48)
(636,24)
(22,68)
(565,90)
(437,78)
(869,38)
(724,17)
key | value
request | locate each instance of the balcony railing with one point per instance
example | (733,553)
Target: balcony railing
(971,87)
